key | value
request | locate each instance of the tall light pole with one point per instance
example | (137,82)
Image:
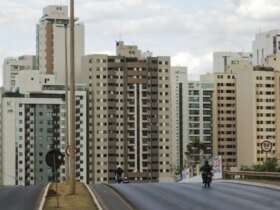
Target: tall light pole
(66,100)
(72,102)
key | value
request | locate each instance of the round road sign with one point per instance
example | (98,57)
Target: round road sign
(54,159)
(266,146)
(70,150)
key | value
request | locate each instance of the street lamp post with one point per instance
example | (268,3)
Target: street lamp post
(72,103)
(66,101)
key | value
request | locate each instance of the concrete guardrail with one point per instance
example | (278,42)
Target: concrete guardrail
(251,175)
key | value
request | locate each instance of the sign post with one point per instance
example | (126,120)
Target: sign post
(266,147)
(54,160)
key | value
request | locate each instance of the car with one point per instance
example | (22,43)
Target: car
(125,180)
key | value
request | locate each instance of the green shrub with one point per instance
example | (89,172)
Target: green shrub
(270,165)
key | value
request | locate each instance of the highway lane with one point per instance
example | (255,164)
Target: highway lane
(109,199)
(222,196)
(20,198)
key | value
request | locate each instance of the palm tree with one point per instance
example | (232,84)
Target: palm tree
(195,153)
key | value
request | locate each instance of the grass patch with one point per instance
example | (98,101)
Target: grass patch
(81,201)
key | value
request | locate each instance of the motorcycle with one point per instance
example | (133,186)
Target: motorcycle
(206,180)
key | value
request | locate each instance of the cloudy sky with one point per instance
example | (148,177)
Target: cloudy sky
(187,30)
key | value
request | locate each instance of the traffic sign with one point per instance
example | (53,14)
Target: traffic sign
(70,150)
(266,146)
(54,159)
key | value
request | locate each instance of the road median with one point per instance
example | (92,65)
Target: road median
(82,200)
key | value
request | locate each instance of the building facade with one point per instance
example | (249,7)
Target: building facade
(200,120)
(35,124)
(1,153)
(129,116)
(179,98)
(12,66)
(224,119)
(53,43)
(223,60)
(246,114)
(264,45)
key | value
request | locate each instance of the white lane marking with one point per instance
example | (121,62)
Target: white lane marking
(44,197)
(97,203)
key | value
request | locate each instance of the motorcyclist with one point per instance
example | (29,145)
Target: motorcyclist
(118,174)
(206,173)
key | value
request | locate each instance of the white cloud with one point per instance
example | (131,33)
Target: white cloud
(259,9)
(165,28)
(197,65)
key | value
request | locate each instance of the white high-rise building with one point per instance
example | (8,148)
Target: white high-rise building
(264,45)
(200,129)
(53,42)
(34,124)
(223,60)
(179,99)
(1,172)
(12,66)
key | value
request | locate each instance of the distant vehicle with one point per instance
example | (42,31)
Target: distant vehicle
(206,174)
(207,179)
(118,174)
(125,180)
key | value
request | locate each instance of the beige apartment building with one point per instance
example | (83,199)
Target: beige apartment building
(224,118)
(251,95)
(129,115)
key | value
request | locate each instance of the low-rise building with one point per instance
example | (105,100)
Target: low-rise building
(12,67)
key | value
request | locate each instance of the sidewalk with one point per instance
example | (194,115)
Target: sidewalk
(81,201)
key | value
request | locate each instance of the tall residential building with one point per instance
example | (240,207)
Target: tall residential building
(200,118)
(223,60)
(12,66)
(224,118)
(129,116)
(53,36)
(264,45)
(179,98)
(252,94)
(256,114)
(34,124)
(1,153)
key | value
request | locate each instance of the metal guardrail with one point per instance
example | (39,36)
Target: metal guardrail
(251,175)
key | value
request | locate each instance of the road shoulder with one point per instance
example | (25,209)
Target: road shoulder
(252,183)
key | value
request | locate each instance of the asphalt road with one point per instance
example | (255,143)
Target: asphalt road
(109,199)
(20,198)
(221,196)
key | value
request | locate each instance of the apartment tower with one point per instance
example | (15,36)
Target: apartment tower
(35,124)
(200,131)
(53,42)
(129,115)
(179,96)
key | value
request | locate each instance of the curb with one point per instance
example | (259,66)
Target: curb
(42,203)
(97,203)
(256,184)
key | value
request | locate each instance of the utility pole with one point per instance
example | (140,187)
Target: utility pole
(72,103)
(66,101)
